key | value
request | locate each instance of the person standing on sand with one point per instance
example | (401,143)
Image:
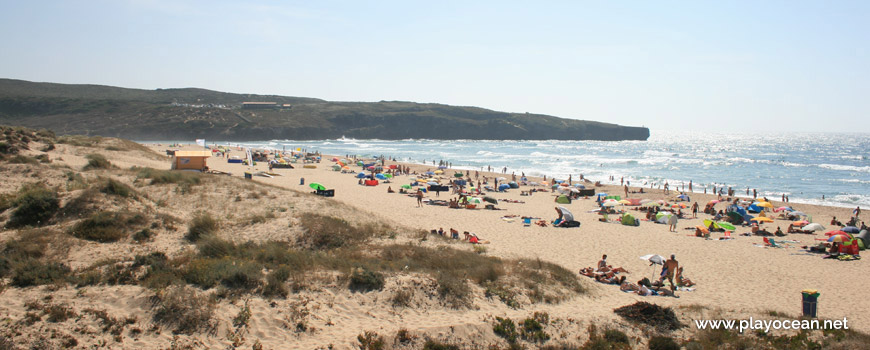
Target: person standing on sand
(672,223)
(419,198)
(625,188)
(671,266)
(690,185)
(857,212)
(695,210)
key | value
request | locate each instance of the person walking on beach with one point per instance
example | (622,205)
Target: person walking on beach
(754,194)
(625,188)
(857,212)
(672,223)
(690,185)
(667,191)
(695,210)
(419,198)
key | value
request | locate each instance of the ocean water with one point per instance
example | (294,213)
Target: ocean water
(804,166)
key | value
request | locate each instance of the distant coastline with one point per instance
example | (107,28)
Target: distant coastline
(198,113)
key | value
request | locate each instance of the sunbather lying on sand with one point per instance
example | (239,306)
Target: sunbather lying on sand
(610,280)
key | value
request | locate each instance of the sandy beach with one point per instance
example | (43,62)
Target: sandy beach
(740,275)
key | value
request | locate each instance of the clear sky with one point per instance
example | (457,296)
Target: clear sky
(681,65)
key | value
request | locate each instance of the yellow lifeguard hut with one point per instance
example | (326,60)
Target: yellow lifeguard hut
(190,160)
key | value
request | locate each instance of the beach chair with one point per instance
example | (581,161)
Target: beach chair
(771,243)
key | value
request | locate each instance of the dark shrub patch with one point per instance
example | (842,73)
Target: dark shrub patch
(203,224)
(106,226)
(32,272)
(184,310)
(97,161)
(365,280)
(642,312)
(114,187)
(34,205)
(663,343)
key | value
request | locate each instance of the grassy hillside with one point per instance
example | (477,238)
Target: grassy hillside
(197,113)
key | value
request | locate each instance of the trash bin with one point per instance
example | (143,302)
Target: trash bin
(249,176)
(810,302)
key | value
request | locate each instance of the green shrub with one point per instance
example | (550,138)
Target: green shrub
(370,341)
(106,226)
(615,336)
(453,289)
(97,161)
(31,272)
(22,159)
(505,328)
(184,310)
(34,205)
(43,158)
(114,187)
(143,235)
(233,274)
(328,232)
(275,282)
(437,345)
(203,224)
(663,343)
(366,280)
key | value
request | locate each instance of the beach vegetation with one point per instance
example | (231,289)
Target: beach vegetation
(432,344)
(35,204)
(33,272)
(107,226)
(370,341)
(662,318)
(661,342)
(162,177)
(184,310)
(22,159)
(365,280)
(202,225)
(97,161)
(505,328)
(114,187)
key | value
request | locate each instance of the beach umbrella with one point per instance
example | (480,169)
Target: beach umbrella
(797,213)
(839,238)
(361,175)
(713,201)
(702,228)
(726,225)
(336,167)
(783,208)
(764,204)
(762,219)
(389,176)
(474,200)
(380,176)
(406,186)
(654,259)
(814,227)
(624,202)
(432,183)
(836,232)
(850,229)
(437,172)
(564,184)
(316,186)
(490,200)
(500,179)
(458,175)
(442,167)
(683,197)
(429,173)
(609,203)
(602,194)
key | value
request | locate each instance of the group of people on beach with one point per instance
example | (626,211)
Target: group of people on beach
(671,271)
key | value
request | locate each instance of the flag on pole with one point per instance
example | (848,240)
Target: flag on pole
(250,157)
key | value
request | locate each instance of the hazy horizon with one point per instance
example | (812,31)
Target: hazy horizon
(702,66)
